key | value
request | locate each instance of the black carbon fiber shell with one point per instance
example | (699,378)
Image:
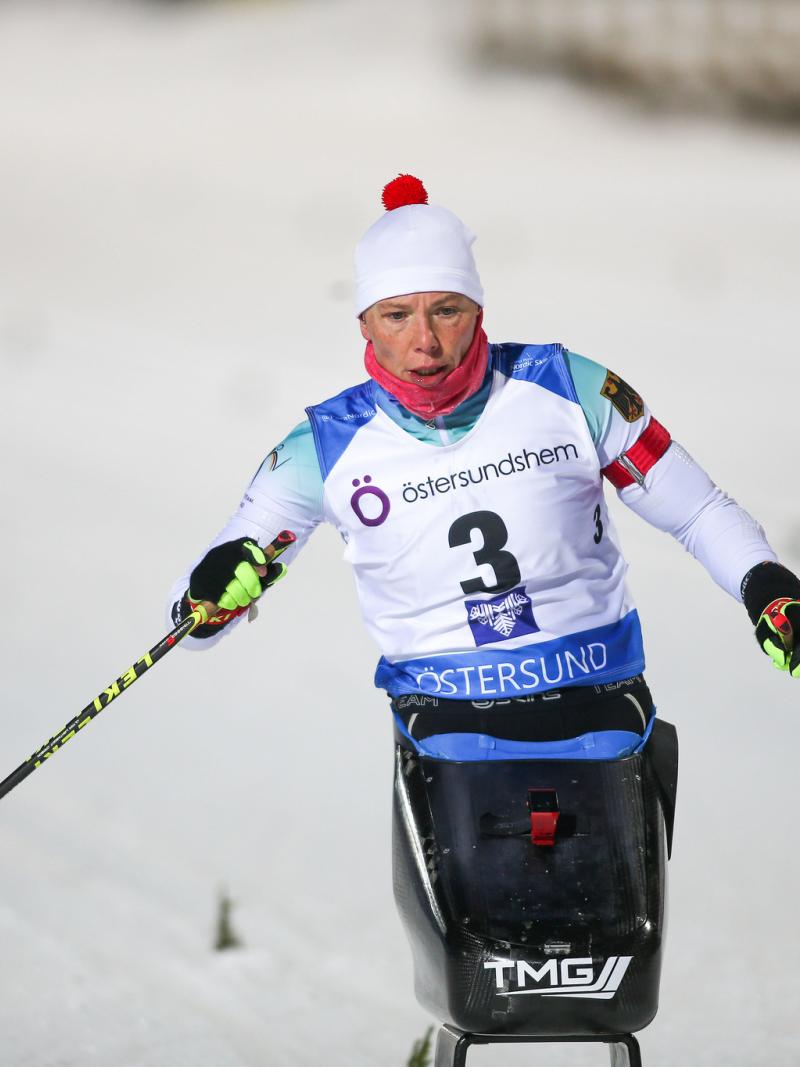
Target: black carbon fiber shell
(471,886)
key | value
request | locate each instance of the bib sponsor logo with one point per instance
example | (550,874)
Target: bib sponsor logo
(523,675)
(509,465)
(502,617)
(575,977)
(370,504)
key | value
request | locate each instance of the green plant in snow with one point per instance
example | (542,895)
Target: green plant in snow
(225,937)
(421,1052)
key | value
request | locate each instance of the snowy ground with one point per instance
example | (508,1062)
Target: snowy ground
(181,188)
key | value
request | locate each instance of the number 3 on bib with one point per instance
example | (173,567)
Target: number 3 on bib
(598,526)
(495,535)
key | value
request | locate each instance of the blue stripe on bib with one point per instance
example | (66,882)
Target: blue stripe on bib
(603,654)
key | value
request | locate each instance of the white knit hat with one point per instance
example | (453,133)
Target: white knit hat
(415,247)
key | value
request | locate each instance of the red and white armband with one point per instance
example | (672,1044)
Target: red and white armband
(632,466)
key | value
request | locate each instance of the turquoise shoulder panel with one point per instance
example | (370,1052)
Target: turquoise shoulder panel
(588,378)
(292,469)
(297,445)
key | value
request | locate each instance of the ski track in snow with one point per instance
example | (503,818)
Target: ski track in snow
(180,194)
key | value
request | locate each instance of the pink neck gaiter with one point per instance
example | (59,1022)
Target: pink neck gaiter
(439,399)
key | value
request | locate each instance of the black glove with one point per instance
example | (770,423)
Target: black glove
(771,595)
(227,575)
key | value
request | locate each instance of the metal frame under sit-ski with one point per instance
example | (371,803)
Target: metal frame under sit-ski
(452,1045)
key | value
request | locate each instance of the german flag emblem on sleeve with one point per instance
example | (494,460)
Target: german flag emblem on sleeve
(625,399)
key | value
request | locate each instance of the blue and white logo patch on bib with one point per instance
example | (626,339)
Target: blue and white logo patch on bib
(501,618)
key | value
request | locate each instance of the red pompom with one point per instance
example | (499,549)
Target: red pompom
(404,190)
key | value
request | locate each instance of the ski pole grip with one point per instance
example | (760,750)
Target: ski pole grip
(284,540)
(206,609)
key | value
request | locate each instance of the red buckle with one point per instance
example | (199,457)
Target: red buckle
(543,806)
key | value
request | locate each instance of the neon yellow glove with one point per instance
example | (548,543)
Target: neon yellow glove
(778,633)
(227,575)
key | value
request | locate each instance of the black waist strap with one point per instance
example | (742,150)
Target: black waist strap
(551,716)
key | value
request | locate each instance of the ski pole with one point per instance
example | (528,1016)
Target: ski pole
(197,618)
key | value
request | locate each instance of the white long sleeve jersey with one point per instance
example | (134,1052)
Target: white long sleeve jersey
(484,556)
